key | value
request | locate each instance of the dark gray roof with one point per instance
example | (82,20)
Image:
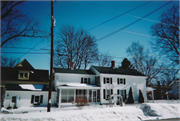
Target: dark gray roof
(75,71)
(109,70)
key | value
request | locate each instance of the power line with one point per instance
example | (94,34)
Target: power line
(151,20)
(31,48)
(132,22)
(25,53)
(118,16)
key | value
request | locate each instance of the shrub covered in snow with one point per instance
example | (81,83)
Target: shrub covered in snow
(130,98)
(141,98)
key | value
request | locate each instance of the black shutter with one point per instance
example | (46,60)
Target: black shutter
(104,80)
(76,92)
(111,91)
(32,98)
(117,80)
(124,81)
(81,80)
(41,98)
(125,94)
(111,80)
(88,80)
(118,92)
(104,93)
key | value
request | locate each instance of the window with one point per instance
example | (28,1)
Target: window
(23,75)
(107,93)
(67,95)
(36,99)
(121,81)
(107,80)
(85,80)
(177,87)
(13,99)
(122,92)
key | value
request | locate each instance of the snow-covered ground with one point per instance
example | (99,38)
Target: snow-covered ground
(134,112)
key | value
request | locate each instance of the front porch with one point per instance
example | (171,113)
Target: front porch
(66,94)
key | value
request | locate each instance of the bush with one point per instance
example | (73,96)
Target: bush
(81,101)
(15,107)
(130,98)
(141,98)
(9,107)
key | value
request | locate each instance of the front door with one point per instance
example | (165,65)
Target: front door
(94,92)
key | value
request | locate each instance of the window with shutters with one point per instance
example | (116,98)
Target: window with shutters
(85,80)
(121,81)
(36,99)
(107,93)
(107,80)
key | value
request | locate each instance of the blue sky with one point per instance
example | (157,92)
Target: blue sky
(87,14)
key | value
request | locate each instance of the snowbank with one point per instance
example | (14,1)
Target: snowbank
(93,114)
(96,113)
(163,110)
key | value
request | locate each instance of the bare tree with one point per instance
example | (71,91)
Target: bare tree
(167,34)
(143,62)
(15,24)
(8,61)
(104,59)
(74,45)
(168,74)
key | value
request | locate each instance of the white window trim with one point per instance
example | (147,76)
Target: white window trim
(88,78)
(106,79)
(26,78)
(123,81)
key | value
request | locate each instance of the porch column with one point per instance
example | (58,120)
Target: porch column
(74,95)
(87,93)
(101,90)
(153,95)
(59,97)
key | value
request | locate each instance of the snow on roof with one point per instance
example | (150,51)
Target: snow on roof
(150,89)
(79,85)
(31,86)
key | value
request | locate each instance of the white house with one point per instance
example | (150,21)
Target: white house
(27,98)
(175,89)
(97,83)
(25,86)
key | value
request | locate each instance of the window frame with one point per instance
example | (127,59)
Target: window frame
(33,99)
(23,75)
(108,80)
(88,80)
(13,99)
(121,81)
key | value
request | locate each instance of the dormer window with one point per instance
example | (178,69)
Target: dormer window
(23,75)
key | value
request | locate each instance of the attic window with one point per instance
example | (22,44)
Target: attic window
(23,75)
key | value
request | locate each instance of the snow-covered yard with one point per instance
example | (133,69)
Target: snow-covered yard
(134,112)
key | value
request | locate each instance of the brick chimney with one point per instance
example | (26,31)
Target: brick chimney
(113,64)
(72,63)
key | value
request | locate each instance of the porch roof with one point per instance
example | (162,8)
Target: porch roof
(78,86)
(150,89)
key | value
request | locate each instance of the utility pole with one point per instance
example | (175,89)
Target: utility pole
(51,59)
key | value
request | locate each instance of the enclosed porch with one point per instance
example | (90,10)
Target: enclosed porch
(66,94)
